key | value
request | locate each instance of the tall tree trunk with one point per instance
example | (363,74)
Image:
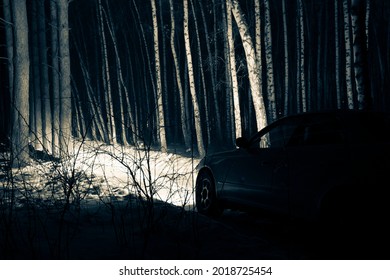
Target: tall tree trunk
(233,72)
(253,70)
(348,55)
(160,105)
(358,12)
(20,105)
(286,64)
(183,116)
(164,88)
(45,91)
(146,64)
(65,90)
(229,123)
(198,127)
(36,110)
(95,109)
(301,32)
(10,44)
(55,79)
(270,64)
(337,53)
(200,61)
(111,126)
(212,72)
(121,83)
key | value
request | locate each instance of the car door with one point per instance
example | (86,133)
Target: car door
(259,174)
(318,161)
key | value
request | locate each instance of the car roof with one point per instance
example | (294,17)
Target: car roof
(337,113)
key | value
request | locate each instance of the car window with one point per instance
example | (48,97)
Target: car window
(277,137)
(320,130)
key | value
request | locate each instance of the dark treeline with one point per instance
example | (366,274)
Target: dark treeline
(194,75)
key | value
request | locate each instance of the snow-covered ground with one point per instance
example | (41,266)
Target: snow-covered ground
(98,172)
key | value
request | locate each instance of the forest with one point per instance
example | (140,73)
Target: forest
(182,75)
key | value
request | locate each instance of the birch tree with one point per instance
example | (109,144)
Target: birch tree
(286,64)
(212,69)
(251,60)
(183,117)
(106,78)
(44,76)
(348,54)
(270,65)
(36,108)
(10,44)
(160,108)
(202,76)
(358,13)
(301,56)
(337,53)
(64,66)
(55,78)
(198,127)
(122,87)
(20,108)
(233,72)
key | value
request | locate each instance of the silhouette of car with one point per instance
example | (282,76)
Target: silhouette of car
(308,166)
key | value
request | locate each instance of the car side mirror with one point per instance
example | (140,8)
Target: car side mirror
(242,142)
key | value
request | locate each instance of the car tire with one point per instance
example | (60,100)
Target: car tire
(206,199)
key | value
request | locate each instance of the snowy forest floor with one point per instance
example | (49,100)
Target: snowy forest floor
(115,202)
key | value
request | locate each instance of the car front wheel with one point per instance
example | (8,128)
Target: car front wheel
(206,199)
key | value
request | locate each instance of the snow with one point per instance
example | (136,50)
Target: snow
(103,172)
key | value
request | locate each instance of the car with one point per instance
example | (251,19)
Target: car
(310,166)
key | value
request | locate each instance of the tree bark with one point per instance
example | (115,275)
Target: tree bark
(270,64)
(55,79)
(111,126)
(10,44)
(233,72)
(44,71)
(253,70)
(183,116)
(348,55)
(198,127)
(358,12)
(160,102)
(20,105)
(65,90)
(286,64)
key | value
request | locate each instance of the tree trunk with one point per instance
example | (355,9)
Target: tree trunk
(111,126)
(183,116)
(198,127)
(348,55)
(36,104)
(301,32)
(160,105)
(10,44)
(45,91)
(202,77)
(20,105)
(55,79)
(270,64)
(358,12)
(65,90)
(286,64)
(253,70)
(212,73)
(337,54)
(121,83)
(233,72)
